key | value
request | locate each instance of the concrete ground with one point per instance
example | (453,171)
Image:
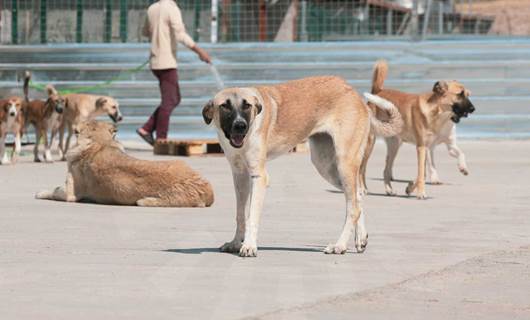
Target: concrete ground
(464,253)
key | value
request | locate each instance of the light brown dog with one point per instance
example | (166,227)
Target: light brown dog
(261,123)
(85,107)
(427,118)
(100,171)
(11,121)
(46,116)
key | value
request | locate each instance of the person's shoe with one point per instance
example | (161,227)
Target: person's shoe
(147,137)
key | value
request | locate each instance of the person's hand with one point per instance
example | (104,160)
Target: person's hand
(203,55)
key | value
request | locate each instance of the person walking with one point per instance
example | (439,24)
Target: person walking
(165,29)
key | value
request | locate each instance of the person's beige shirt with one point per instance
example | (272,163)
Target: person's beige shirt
(165,29)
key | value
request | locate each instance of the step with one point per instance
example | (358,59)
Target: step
(52,72)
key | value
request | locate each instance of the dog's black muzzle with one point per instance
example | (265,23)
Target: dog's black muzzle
(462,110)
(116,117)
(237,133)
(59,109)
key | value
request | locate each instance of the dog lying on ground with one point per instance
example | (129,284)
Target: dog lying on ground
(11,121)
(260,123)
(100,171)
(429,119)
(85,107)
(45,116)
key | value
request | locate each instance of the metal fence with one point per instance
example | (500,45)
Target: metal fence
(60,21)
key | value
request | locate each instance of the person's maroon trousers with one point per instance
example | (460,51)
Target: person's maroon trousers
(170,92)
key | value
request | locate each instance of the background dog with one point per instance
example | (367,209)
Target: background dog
(428,120)
(85,107)
(261,123)
(100,171)
(45,116)
(11,121)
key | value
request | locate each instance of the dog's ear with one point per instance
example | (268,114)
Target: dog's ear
(259,107)
(440,87)
(100,102)
(207,112)
(51,90)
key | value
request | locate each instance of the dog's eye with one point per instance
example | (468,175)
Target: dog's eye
(246,106)
(225,107)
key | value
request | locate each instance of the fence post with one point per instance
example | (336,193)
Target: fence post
(108,21)
(414,21)
(197,21)
(14,21)
(123,20)
(426,18)
(43,21)
(215,21)
(262,20)
(79,22)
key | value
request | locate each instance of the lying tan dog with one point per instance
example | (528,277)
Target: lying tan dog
(85,107)
(100,171)
(46,116)
(429,120)
(11,121)
(261,123)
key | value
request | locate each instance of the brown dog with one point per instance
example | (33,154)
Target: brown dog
(100,171)
(45,116)
(427,117)
(85,107)
(261,123)
(11,121)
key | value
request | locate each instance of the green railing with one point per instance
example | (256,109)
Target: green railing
(44,21)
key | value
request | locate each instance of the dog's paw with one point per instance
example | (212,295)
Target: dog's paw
(42,195)
(421,196)
(361,241)
(389,191)
(248,250)
(463,170)
(231,247)
(37,160)
(410,188)
(435,182)
(335,249)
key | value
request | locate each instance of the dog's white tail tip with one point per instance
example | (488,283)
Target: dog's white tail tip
(380,102)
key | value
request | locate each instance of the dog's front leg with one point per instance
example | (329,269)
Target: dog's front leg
(3,153)
(257,195)
(419,185)
(48,147)
(18,147)
(242,188)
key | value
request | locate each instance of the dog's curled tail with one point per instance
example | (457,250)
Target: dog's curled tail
(378,79)
(27,78)
(387,128)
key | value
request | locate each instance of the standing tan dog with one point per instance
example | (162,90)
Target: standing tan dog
(428,120)
(100,171)
(45,116)
(11,121)
(261,123)
(85,107)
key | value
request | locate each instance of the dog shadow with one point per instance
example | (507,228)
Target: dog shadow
(216,249)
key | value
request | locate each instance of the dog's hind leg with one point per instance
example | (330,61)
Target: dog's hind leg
(431,168)
(367,152)
(38,132)
(242,187)
(339,163)
(392,148)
